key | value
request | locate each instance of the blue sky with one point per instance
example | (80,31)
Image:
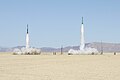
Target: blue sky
(53,23)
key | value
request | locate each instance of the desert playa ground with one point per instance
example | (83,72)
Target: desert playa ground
(59,67)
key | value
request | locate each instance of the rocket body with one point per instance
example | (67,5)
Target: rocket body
(27,39)
(82,42)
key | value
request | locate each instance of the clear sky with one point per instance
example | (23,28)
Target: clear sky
(53,23)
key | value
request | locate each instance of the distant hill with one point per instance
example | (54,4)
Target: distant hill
(106,47)
(3,49)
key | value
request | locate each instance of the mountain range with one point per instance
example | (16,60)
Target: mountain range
(105,47)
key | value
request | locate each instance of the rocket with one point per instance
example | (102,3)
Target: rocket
(27,38)
(27,28)
(82,42)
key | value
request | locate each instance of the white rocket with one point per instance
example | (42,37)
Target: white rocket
(27,38)
(82,44)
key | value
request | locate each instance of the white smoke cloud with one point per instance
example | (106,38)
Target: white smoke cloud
(85,51)
(26,51)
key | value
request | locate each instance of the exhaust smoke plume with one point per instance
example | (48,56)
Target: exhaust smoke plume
(83,49)
(27,50)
